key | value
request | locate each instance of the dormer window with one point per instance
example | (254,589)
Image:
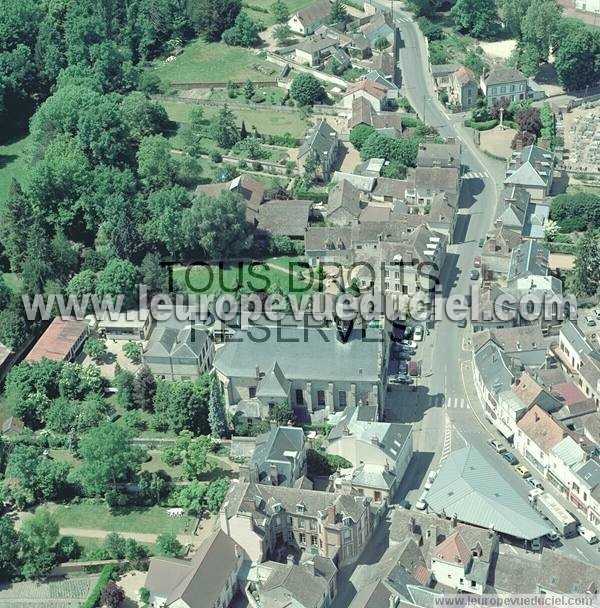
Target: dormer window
(300,508)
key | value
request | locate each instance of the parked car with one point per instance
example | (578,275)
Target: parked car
(536,544)
(418,333)
(430,479)
(403,504)
(481,242)
(413,368)
(590,321)
(553,536)
(462,323)
(477,262)
(523,471)
(589,535)
(404,356)
(405,380)
(597,312)
(421,504)
(497,446)
(403,367)
(474,274)
(510,458)
(407,349)
(409,343)
(408,331)
(535,483)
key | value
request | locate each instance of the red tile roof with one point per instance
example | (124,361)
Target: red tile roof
(541,428)
(58,340)
(569,393)
(373,88)
(453,549)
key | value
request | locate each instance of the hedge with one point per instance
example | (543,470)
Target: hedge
(94,597)
(409,121)
(310,195)
(481,126)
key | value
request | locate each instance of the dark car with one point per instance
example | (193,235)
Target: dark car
(510,458)
(474,274)
(403,367)
(404,356)
(462,322)
(481,242)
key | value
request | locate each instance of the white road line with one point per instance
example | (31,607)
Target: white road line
(585,557)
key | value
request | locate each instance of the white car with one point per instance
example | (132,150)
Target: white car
(421,504)
(589,536)
(418,333)
(430,479)
(536,544)
(409,343)
(552,536)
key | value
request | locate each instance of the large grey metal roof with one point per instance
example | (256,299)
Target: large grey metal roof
(470,487)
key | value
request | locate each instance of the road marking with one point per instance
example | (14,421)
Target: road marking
(456,403)
(463,365)
(475,175)
(585,557)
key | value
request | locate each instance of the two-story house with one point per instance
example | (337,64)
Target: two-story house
(308,19)
(321,146)
(269,520)
(504,84)
(531,168)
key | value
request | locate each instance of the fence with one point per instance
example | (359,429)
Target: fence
(233,105)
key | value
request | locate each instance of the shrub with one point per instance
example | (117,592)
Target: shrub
(108,573)
(215,156)
(320,464)
(481,126)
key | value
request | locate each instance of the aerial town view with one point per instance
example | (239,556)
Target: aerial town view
(299,303)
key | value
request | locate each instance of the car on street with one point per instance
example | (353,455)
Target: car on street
(523,471)
(481,242)
(413,368)
(498,447)
(589,535)
(418,333)
(597,313)
(404,504)
(510,458)
(462,323)
(421,504)
(402,367)
(474,274)
(409,343)
(552,536)
(536,544)
(404,379)
(477,262)
(590,321)
(404,356)
(430,479)
(535,483)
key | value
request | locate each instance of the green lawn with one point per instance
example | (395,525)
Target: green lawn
(12,164)
(270,95)
(202,280)
(152,520)
(272,123)
(214,62)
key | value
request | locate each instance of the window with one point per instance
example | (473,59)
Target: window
(313,540)
(302,538)
(312,524)
(252,392)
(321,398)
(299,396)
(342,398)
(347,536)
(377,496)
(300,523)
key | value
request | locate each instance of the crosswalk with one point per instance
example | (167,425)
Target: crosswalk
(403,19)
(475,175)
(456,403)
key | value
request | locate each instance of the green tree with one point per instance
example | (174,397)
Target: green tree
(217,226)
(248,89)
(378,145)
(513,13)
(154,486)
(306,89)
(223,129)
(282,33)
(9,548)
(359,134)
(576,60)
(191,497)
(216,410)
(381,43)
(283,414)
(216,493)
(280,11)
(156,166)
(13,326)
(538,30)
(144,388)
(16,217)
(133,351)
(195,461)
(95,349)
(124,382)
(338,13)
(107,457)
(142,116)
(39,538)
(244,32)
(586,271)
(476,17)
(119,280)
(168,545)
(211,18)
(114,544)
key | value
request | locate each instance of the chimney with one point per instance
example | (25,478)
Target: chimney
(536,416)
(257,372)
(346,431)
(346,486)
(454,521)
(386,466)
(310,566)
(273,474)
(411,525)
(273,424)
(223,519)
(244,472)
(290,560)
(375,440)
(538,166)
(331,514)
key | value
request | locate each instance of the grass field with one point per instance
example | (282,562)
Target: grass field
(90,515)
(215,280)
(12,164)
(214,62)
(272,123)
(267,18)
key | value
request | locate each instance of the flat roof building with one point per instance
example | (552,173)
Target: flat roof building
(61,341)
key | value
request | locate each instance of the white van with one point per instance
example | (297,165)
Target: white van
(421,504)
(589,536)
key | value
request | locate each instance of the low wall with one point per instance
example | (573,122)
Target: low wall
(232,105)
(340,82)
(220,85)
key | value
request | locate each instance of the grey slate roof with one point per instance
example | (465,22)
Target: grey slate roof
(469,487)
(198,582)
(444,69)
(439,155)
(302,353)
(529,258)
(503,75)
(384,63)
(284,218)
(274,384)
(494,367)
(316,43)
(176,339)
(314,12)
(278,446)
(522,167)
(320,139)
(344,195)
